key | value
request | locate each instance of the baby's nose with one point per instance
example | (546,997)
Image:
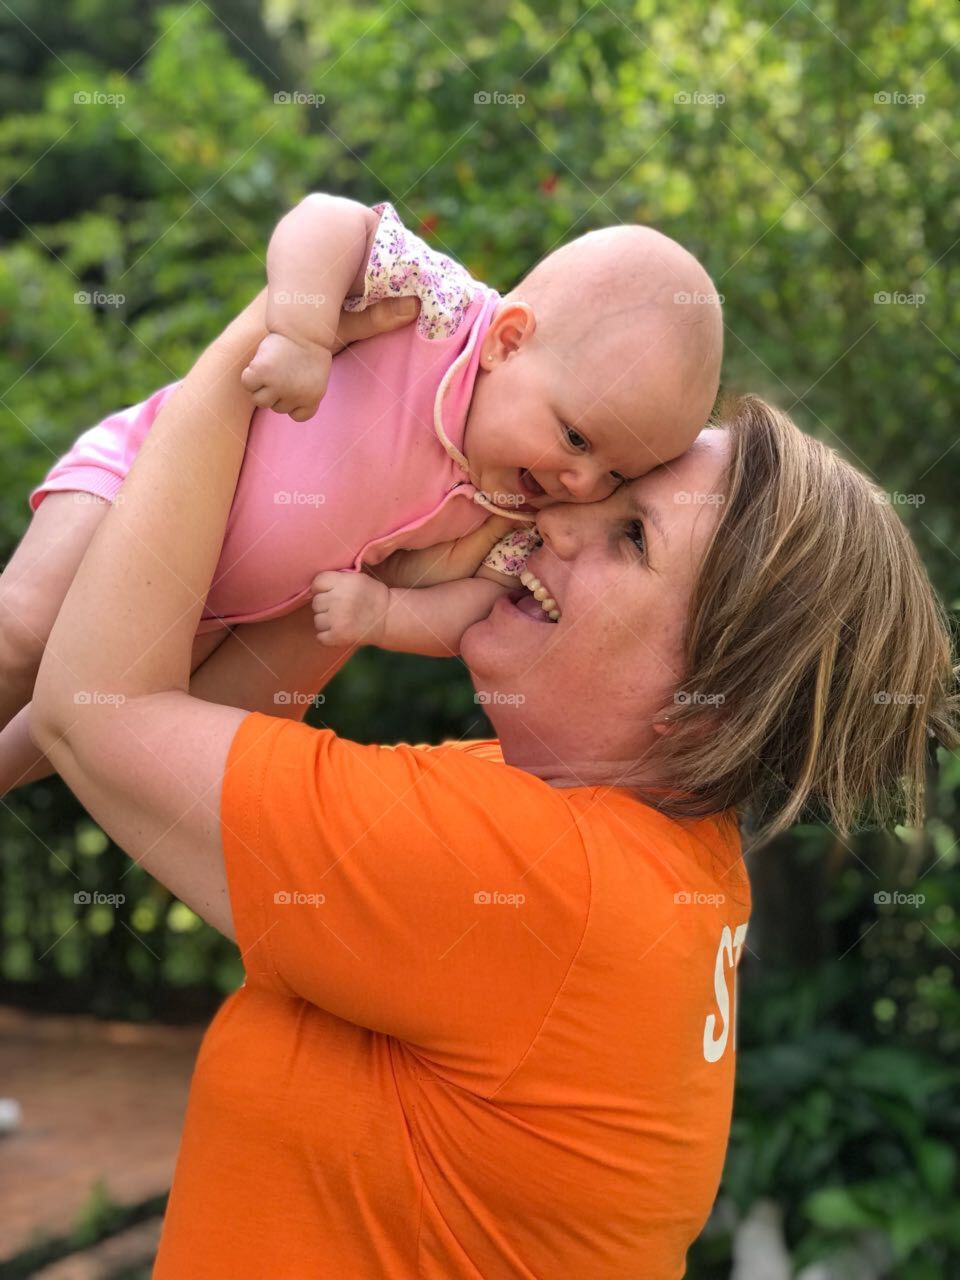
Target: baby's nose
(587,483)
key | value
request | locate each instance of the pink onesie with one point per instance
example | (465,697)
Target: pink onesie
(377,468)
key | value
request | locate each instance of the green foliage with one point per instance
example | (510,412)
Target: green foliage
(805,194)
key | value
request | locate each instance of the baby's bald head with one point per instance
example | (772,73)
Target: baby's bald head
(634,315)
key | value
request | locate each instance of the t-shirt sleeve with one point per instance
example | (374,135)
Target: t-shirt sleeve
(401,264)
(424,893)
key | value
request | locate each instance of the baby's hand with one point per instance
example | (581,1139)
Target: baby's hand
(288,376)
(349,608)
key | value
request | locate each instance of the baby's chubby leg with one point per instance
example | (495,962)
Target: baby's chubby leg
(33,586)
(274,667)
(32,589)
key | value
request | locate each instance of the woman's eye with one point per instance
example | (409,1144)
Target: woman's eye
(635,533)
(575,439)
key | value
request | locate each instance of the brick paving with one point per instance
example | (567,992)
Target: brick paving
(100,1101)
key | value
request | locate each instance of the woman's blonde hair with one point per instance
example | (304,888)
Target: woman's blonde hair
(818,656)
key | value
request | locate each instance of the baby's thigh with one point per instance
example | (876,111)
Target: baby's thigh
(38,574)
(204,644)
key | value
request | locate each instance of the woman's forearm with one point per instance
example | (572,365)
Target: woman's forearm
(128,621)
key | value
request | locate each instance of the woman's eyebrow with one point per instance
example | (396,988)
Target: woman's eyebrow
(650,514)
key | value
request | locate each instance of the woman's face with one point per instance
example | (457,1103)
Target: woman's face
(577,698)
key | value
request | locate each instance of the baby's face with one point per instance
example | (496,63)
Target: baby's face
(543,428)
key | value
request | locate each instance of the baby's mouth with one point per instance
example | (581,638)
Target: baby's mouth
(540,594)
(529,485)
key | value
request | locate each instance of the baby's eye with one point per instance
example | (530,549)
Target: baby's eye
(618,478)
(634,533)
(575,439)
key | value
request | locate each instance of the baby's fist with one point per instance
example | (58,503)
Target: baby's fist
(288,376)
(349,608)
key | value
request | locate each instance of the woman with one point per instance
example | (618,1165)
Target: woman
(488,1023)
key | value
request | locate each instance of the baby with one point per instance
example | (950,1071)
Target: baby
(603,362)
(634,274)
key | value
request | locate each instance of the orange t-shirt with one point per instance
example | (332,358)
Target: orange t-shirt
(487,1028)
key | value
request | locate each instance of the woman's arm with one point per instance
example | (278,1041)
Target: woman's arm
(111,710)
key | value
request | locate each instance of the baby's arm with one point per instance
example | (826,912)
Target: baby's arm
(316,258)
(354,608)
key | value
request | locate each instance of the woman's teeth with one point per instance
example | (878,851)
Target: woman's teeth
(540,592)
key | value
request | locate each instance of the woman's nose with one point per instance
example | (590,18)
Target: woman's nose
(559,526)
